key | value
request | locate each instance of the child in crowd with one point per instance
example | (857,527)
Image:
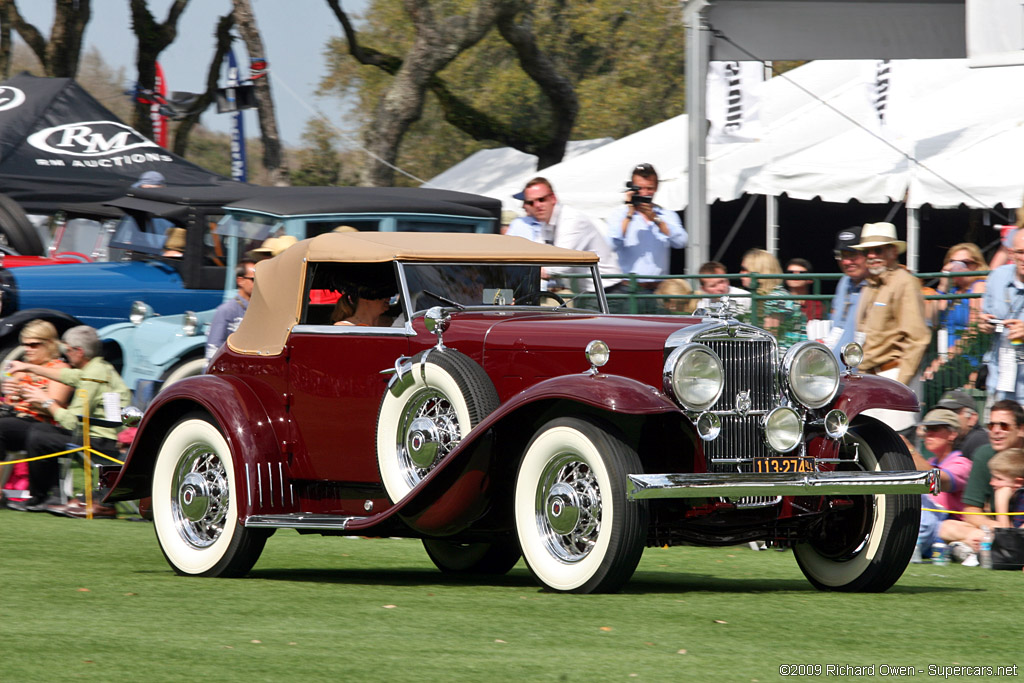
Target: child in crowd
(1007,471)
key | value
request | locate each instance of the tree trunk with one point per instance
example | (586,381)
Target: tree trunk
(5,39)
(152,39)
(273,161)
(184,129)
(59,55)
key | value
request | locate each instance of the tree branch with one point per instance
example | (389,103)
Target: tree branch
(223,38)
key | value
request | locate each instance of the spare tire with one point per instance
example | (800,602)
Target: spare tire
(425,414)
(17,231)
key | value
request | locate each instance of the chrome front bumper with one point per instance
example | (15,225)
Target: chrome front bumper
(739,484)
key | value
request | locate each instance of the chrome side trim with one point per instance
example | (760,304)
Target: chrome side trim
(248,486)
(736,485)
(299,520)
(280,475)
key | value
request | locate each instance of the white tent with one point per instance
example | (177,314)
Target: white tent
(481,171)
(952,136)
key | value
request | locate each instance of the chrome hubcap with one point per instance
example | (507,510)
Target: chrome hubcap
(568,508)
(200,496)
(428,431)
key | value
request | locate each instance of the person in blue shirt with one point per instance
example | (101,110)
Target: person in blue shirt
(1003,302)
(526,226)
(642,233)
(843,315)
(229,314)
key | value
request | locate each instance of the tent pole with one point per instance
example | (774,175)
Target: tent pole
(771,224)
(913,237)
(698,53)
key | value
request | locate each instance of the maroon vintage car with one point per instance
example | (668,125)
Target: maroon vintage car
(495,410)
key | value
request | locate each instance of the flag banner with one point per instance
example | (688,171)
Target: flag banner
(734,101)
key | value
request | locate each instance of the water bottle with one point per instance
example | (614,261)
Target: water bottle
(985,548)
(940,554)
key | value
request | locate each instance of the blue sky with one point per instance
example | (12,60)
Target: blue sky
(294,35)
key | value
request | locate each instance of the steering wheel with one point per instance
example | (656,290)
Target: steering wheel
(537,296)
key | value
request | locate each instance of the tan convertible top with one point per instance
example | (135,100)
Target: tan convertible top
(276,302)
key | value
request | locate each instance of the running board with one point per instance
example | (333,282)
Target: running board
(738,484)
(300,520)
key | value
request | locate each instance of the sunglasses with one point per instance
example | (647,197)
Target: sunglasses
(32,344)
(538,200)
(1003,426)
(796,272)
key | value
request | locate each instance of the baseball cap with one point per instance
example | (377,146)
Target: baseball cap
(521,195)
(957,399)
(846,238)
(275,245)
(941,417)
(150,178)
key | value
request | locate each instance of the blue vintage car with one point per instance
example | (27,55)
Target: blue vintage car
(157,349)
(102,293)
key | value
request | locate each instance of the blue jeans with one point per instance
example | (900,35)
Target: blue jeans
(928,532)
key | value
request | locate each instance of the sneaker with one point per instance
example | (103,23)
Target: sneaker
(971,561)
(961,552)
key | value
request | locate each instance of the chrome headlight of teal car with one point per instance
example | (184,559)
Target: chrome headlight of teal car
(140,311)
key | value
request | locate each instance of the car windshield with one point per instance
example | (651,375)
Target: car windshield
(493,284)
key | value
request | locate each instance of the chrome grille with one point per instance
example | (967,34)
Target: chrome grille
(749,364)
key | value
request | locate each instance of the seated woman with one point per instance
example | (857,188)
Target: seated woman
(365,305)
(20,408)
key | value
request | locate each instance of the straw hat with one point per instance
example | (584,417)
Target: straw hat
(879,234)
(174,239)
(273,246)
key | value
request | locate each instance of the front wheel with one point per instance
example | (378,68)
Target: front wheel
(577,530)
(866,547)
(195,510)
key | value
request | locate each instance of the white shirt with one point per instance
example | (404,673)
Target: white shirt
(573,229)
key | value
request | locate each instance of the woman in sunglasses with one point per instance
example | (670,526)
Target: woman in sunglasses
(17,412)
(813,309)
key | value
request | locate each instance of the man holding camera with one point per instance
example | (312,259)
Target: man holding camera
(641,232)
(1003,317)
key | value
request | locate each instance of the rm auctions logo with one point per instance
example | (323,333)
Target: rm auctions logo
(10,97)
(89,139)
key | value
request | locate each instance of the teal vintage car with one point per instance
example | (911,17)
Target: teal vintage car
(156,350)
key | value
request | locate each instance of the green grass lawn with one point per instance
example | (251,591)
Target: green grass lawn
(95,601)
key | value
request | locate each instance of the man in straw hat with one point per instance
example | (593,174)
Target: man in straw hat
(890,315)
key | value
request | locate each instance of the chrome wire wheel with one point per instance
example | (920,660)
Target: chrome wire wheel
(428,431)
(568,508)
(576,528)
(426,413)
(201,496)
(195,503)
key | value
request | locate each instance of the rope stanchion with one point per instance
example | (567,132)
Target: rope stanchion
(85,449)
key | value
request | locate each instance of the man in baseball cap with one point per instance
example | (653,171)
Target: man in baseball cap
(844,305)
(940,426)
(970,434)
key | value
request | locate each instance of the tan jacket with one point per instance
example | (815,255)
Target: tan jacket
(891,316)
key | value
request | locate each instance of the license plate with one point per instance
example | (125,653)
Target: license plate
(783,465)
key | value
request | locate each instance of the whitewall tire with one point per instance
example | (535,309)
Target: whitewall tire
(577,531)
(865,548)
(195,508)
(425,414)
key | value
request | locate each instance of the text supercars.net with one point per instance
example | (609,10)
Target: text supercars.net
(939,670)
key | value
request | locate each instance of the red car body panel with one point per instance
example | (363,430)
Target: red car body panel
(20,261)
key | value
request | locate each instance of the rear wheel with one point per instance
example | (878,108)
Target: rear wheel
(865,548)
(472,558)
(577,531)
(195,510)
(16,230)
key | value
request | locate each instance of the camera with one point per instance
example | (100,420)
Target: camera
(636,199)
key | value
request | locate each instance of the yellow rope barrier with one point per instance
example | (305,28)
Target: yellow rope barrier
(961,512)
(85,449)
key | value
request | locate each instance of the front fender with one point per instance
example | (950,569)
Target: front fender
(858,393)
(458,490)
(255,437)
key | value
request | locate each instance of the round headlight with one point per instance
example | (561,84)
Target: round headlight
(836,424)
(597,353)
(190,324)
(852,354)
(812,373)
(694,376)
(783,429)
(139,312)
